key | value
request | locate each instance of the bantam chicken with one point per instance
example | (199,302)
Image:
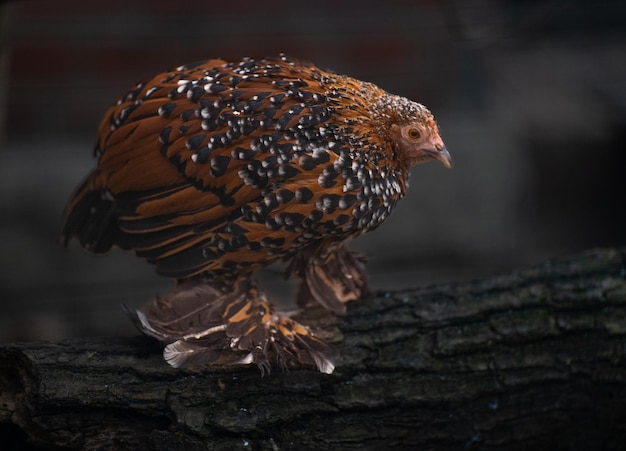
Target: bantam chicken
(213,170)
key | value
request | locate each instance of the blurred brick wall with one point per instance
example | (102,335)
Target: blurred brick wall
(529,96)
(72,58)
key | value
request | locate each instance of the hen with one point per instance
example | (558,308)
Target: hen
(213,170)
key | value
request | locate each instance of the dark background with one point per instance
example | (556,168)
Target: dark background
(530,97)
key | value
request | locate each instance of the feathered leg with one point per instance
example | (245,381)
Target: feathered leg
(333,276)
(230,324)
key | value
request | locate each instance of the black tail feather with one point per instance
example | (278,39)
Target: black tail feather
(93,221)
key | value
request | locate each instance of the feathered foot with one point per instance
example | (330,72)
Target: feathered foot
(232,325)
(332,277)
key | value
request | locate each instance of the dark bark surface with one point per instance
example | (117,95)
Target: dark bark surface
(532,359)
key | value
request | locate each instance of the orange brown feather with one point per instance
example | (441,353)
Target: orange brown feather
(215,169)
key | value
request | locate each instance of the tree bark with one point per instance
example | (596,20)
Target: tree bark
(536,358)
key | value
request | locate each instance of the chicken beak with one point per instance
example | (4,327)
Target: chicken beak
(441,154)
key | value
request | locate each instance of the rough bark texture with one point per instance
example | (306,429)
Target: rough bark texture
(533,359)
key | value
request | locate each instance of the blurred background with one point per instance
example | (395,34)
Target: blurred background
(530,97)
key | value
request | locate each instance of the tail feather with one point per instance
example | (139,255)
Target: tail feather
(91,219)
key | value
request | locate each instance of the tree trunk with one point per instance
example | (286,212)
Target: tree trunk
(536,358)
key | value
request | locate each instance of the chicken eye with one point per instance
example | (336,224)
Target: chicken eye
(414,133)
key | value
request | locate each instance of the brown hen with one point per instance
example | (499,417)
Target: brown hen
(213,170)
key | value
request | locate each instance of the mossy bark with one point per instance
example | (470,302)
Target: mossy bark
(536,358)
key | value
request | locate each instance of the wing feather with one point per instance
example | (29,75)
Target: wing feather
(216,166)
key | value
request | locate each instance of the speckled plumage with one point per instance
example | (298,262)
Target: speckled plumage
(215,169)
